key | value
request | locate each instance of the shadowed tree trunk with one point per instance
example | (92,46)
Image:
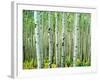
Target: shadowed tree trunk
(41,37)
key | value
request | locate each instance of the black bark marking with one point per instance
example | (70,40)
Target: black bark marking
(57,45)
(49,29)
(63,56)
(63,38)
(76,46)
(62,43)
(35,42)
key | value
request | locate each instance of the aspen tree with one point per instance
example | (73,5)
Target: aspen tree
(50,40)
(56,42)
(63,41)
(81,38)
(41,37)
(37,36)
(75,37)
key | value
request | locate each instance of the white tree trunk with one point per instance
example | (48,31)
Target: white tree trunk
(38,48)
(56,42)
(75,37)
(63,41)
(41,40)
(37,36)
(50,40)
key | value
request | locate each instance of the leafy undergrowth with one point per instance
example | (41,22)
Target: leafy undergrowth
(32,64)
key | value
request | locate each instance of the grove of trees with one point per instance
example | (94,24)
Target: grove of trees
(56,39)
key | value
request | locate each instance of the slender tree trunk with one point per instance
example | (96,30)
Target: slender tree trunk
(89,47)
(70,46)
(31,43)
(87,40)
(56,43)
(84,46)
(27,56)
(41,39)
(63,41)
(25,43)
(45,41)
(50,40)
(81,59)
(89,43)
(37,36)
(75,35)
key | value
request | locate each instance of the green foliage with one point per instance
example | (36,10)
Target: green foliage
(28,64)
(78,62)
(45,65)
(29,44)
(53,65)
(86,63)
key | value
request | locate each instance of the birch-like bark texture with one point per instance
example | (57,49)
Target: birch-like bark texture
(53,39)
(63,41)
(41,40)
(37,36)
(81,41)
(50,39)
(56,42)
(89,45)
(75,37)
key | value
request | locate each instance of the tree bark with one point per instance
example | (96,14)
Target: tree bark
(75,36)
(41,39)
(50,40)
(37,36)
(63,41)
(56,43)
